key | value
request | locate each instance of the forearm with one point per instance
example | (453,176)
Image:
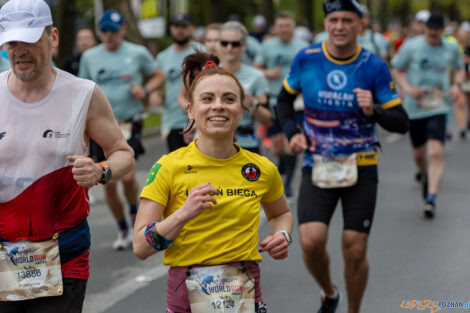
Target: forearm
(286,113)
(156,81)
(263,115)
(281,222)
(393,120)
(120,162)
(169,228)
(400,79)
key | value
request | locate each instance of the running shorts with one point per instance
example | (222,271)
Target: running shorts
(421,130)
(71,301)
(358,202)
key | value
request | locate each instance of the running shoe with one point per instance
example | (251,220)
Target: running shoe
(329,305)
(429,210)
(122,241)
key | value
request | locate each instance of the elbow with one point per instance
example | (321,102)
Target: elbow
(140,252)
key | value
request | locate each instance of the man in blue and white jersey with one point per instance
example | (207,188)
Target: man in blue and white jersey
(429,60)
(340,82)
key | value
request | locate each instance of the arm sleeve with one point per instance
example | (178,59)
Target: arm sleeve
(390,114)
(286,113)
(393,120)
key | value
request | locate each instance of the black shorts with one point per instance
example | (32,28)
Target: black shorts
(421,130)
(97,153)
(358,202)
(71,301)
(175,140)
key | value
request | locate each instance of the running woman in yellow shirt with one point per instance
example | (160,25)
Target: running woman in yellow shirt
(209,194)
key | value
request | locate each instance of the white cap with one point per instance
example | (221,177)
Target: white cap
(259,21)
(422,15)
(24,20)
(465,27)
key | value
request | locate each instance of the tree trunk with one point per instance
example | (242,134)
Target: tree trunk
(65,23)
(305,10)
(124,7)
(267,10)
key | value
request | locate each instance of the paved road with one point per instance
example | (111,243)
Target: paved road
(411,258)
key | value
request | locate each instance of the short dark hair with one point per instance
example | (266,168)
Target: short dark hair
(285,14)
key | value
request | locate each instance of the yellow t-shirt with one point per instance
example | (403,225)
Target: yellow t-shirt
(229,231)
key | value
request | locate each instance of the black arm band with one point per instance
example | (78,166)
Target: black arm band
(286,113)
(393,120)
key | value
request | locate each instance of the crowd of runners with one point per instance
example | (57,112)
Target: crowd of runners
(229,98)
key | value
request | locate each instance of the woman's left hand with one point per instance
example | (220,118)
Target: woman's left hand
(276,246)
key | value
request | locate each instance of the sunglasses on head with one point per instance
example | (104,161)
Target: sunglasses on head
(234,44)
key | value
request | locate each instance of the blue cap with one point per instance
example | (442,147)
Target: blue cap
(330,6)
(111,20)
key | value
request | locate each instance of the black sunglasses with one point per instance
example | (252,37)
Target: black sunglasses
(234,44)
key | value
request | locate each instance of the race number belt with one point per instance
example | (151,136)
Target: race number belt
(222,288)
(126,129)
(339,171)
(30,270)
(432,98)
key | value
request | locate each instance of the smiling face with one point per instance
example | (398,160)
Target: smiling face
(216,106)
(30,60)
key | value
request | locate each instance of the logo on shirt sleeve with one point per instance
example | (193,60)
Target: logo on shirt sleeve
(153,172)
(251,172)
(2,135)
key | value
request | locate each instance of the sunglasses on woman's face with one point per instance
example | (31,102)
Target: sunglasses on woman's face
(234,44)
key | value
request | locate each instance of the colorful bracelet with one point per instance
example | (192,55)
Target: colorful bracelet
(154,239)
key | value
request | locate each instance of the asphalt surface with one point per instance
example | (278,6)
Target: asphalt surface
(411,258)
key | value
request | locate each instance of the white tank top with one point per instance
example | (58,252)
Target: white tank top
(36,138)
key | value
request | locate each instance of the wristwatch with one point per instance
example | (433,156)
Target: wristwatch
(105,174)
(286,235)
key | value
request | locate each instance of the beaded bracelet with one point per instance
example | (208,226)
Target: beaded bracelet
(157,241)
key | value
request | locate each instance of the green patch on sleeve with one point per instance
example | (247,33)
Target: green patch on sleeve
(153,172)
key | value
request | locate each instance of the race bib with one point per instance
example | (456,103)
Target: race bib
(334,171)
(30,270)
(223,288)
(126,129)
(466,86)
(432,98)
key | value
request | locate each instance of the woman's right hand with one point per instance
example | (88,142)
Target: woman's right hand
(199,198)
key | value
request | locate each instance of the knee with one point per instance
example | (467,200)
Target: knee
(313,246)
(436,152)
(354,254)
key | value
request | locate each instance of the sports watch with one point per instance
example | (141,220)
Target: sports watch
(286,235)
(105,174)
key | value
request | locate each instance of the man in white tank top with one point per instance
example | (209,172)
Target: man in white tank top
(47,118)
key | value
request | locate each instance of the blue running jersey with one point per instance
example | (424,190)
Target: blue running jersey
(334,123)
